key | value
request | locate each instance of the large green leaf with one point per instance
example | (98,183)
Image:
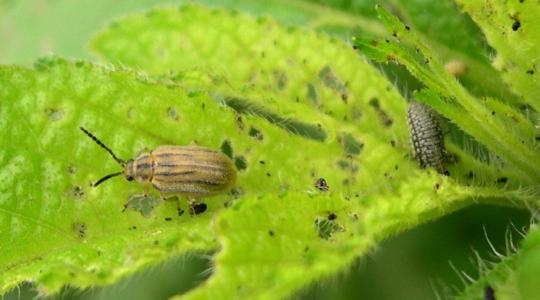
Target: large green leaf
(285,71)
(512,28)
(500,127)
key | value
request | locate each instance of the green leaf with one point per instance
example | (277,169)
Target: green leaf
(514,275)
(273,69)
(89,240)
(498,126)
(512,28)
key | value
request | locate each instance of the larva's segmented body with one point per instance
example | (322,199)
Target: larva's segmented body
(177,170)
(426,137)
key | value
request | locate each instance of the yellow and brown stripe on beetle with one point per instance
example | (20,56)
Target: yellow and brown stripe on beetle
(190,171)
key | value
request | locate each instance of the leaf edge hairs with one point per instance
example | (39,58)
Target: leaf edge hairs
(191,171)
(426,137)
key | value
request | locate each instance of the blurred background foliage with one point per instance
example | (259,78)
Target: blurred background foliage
(414,265)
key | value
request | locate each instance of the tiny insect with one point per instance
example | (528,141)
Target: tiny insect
(426,137)
(191,171)
(456,68)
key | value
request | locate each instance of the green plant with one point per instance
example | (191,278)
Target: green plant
(289,105)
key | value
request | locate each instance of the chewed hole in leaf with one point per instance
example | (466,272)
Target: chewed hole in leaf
(330,80)
(326,227)
(240,163)
(171,112)
(350,144)
(255,133)
(144,204)
(227,149)
(303,129)
(54,114)
(312,94)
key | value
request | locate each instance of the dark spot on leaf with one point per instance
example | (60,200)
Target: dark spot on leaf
(227,149)
(356,113)
(350,144)
(374,102)
(312,94)
(407,27)
(321,184)
(261,162)
(54,114)
(270,232)
(330,80)
(516,25)
(236,192)
(502,180)
(332,216)
(281,79)
(530,71)
(470,175)
(347,165)
(255,133)
(71,169)
(239,121)
(79,228)
(168,219)
(268,175)
(171,112)
(75,191)
(344,97)
(132,227)
(240,163)
(144,204)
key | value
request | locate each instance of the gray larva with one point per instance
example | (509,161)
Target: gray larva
(426,137)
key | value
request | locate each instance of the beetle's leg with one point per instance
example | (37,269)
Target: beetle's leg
(178,208)
(191,205)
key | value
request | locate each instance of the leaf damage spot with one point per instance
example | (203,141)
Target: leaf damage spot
(227,149)
(330,80)
(326,228)
(144,204)
(255,133)
(54,114)
(171,112)
(350,144)
(76,192)
(312,94)
(79,228)
(240,163)
(281,79)
(384,119)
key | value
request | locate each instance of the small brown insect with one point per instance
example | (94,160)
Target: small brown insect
(177,170)
(456,68)
(426,137)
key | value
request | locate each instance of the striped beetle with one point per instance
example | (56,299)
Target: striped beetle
(176,170)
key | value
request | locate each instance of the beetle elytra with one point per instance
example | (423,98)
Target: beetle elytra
(191,171)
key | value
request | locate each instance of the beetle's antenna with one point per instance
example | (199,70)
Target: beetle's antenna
(107,177)
(118,160)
